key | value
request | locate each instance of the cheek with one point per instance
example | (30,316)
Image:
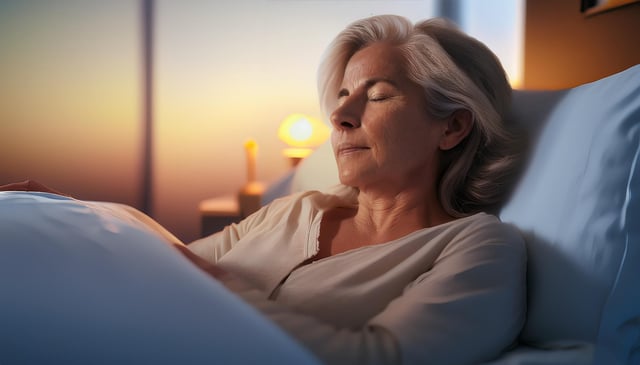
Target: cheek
(398,133)
(414,141)
(334,141)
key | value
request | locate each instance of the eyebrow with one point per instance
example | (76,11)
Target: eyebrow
(368,84)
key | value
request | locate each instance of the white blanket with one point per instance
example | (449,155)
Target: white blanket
(97,283)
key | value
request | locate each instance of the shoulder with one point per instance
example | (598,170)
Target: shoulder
(483,232)
(487,226)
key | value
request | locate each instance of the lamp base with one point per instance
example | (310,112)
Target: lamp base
(250,198)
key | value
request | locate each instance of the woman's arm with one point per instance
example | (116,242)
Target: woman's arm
(468,308)
(211,269)
(30,185)
(370,345)
(213,247)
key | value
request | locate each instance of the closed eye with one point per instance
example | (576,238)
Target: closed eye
(378,98)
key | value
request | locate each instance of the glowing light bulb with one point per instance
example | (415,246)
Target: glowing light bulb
(301,130)
(302,133)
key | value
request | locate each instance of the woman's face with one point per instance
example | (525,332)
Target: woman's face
(382,135)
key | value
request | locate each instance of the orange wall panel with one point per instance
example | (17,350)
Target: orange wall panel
(564,48)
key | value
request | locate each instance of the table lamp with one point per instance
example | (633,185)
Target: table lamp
(302,134)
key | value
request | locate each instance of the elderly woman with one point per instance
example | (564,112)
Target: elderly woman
(401,263)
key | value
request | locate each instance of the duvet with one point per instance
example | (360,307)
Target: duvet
(96,283)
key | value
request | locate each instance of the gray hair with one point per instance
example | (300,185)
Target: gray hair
(457,72)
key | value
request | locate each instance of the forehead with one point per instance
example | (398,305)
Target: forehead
(379,60)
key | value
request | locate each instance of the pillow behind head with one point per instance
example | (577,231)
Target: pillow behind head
(578,208)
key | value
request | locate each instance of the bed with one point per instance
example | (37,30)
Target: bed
(95,282)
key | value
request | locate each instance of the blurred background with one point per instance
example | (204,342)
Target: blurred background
(150,102)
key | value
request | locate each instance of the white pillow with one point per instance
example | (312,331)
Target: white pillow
(578,206)
(89,283)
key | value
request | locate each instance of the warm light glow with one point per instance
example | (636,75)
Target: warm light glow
(516,82)
(297,153)
(301,131)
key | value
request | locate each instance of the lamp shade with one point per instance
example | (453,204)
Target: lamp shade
(302,131)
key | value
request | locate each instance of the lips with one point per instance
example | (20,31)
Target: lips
(345,149)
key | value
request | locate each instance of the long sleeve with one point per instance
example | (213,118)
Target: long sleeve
(372,345)
(449,294)
(266,246)
(468,307)
(286,224)
(213,247)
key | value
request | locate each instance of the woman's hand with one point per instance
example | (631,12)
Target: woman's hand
(30,185)
(211,269)
(228,279)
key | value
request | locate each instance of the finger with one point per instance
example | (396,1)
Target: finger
(30,185)
(36,186)
(17,186)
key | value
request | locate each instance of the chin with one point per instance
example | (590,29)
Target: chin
(347,178)
(354,178)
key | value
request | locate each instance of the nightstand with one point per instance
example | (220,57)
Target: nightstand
(217,213)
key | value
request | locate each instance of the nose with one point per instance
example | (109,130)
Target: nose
(346,115)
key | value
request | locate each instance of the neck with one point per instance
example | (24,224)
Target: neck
(389,215)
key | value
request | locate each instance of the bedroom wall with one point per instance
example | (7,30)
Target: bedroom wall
(563,48)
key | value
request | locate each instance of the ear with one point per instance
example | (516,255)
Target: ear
(457,129)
